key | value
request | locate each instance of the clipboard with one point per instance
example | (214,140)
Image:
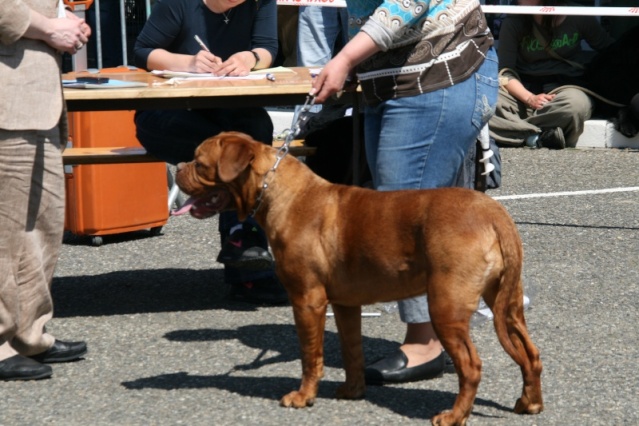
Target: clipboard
(253,75)
(111,84)
(183,75)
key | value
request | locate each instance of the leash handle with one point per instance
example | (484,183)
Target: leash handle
(281,153)
(302,117)
(290,134)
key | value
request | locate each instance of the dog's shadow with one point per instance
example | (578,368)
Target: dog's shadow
(143,291)
(281,339)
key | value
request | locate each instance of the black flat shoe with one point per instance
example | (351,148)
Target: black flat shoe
(552,139)
(392,369)
(20,367)
(62,352)
(264,291)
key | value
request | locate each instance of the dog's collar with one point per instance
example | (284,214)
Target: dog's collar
(281,153)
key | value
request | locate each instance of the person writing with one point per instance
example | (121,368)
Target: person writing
(428,75)
(33,132)
(537,55)
(226,38)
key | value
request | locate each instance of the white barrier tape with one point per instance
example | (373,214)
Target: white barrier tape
(563,10)
(328,3)
(524,10)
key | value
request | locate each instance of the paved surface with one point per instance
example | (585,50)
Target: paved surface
(167,347)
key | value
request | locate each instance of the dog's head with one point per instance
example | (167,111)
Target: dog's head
(225,174)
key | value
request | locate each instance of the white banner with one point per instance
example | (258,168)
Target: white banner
(525,10)
(562,10)
(329,3)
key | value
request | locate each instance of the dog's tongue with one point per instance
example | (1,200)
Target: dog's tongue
(185,208)
(202,207)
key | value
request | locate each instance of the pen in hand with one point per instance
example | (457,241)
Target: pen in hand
(201,43)
(206,49)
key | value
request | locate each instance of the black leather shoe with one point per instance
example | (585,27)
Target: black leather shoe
(62,352)
(20,367)
(552,139)
(392,369)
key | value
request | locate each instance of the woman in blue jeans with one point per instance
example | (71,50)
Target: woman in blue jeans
(429,79)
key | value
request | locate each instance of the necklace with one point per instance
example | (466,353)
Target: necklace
(227,17)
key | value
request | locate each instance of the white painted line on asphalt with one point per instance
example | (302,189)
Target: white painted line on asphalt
(563,194)
(364,314)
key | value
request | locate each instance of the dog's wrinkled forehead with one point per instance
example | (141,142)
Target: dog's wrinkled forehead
(206,156)
(208,150)
(212,147)
(223,157)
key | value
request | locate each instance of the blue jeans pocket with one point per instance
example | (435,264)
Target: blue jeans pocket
(487,86)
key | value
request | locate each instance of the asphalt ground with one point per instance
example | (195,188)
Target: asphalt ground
(168,347)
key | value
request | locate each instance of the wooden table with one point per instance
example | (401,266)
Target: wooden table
(289,88)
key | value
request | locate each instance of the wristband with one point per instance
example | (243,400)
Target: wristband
(257,58)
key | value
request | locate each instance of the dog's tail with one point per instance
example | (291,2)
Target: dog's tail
(507,300)
(509,322)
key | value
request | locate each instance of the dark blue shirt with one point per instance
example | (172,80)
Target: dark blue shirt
(173,24)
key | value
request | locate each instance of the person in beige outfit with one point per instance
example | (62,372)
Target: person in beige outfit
(33,130)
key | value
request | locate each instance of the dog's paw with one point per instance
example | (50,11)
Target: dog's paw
(523,406)
(349,391)
(297,399)
(446,418)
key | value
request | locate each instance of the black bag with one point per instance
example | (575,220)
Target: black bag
(314,121)
(333,159)
(331,132)
(493,179)
(471,175)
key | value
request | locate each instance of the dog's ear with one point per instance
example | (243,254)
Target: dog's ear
(236,157)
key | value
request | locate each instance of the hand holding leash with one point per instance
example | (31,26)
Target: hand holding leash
(302,117)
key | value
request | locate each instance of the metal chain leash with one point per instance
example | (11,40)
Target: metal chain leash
(281,153)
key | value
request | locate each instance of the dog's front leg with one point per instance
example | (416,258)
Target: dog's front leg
(310,319)
(349,327)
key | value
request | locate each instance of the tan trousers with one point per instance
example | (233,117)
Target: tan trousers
(513,121)
(31,228)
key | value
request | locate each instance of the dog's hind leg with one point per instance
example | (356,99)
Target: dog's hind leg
(451,307)
(349,327)
(510,325)
(309,310)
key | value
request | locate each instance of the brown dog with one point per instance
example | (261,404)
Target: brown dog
(454,244)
